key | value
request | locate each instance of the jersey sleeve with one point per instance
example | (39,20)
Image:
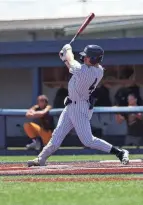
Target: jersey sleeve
(74,67)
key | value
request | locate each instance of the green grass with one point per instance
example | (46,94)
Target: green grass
(100,193)
(71,193)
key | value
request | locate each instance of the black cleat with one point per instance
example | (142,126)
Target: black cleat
(124,157)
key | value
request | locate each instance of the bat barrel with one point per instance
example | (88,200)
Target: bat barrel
(83,26)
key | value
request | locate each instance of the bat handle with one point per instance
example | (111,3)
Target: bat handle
(73,39)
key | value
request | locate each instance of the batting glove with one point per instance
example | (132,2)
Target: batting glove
(62,55)
(66,47)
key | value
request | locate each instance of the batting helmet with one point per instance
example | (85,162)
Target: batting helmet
(94,52)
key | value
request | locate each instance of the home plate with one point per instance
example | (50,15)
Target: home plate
(117,161)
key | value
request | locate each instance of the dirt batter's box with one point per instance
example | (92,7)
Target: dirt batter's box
(73,168)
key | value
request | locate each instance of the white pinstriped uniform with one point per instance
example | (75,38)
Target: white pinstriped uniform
(77,115)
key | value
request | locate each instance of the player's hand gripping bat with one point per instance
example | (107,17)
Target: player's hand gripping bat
(83,26)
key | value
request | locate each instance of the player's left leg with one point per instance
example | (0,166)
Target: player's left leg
(63,127)
(83,130)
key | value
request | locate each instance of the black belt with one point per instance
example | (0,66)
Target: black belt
(69,101)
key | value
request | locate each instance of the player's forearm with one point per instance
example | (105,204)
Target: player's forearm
(69,57)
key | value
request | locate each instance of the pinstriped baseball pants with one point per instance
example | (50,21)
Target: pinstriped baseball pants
(74,116)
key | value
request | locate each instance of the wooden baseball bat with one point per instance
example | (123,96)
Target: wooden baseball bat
(83,26)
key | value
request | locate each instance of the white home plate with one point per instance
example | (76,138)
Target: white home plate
(117,161)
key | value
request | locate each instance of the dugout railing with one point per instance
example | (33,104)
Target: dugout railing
(4,113)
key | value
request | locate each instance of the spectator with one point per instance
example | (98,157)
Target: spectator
(44,126)
(134,89)
(122,95)
(134,122)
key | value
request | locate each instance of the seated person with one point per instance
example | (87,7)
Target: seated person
(44,126)
(134,122)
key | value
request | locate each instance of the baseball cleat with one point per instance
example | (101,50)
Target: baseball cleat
(35,162)
(124,157)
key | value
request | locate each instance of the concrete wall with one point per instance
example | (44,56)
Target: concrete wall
(12,36)
(15,36)
(15,88)
(128,33)
(51,35)
(16,93)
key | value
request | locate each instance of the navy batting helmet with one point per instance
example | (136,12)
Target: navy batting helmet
(94,52)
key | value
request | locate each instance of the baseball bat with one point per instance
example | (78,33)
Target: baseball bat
(83,26)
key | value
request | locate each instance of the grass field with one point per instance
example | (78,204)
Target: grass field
(71,193)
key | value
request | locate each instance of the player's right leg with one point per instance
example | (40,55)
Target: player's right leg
(83,129)
(63,128)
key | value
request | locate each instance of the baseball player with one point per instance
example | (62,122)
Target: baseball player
(79,105)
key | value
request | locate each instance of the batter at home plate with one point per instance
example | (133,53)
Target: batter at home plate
(79,105)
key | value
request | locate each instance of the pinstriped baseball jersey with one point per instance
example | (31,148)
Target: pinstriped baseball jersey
(77,115)
(84,80)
